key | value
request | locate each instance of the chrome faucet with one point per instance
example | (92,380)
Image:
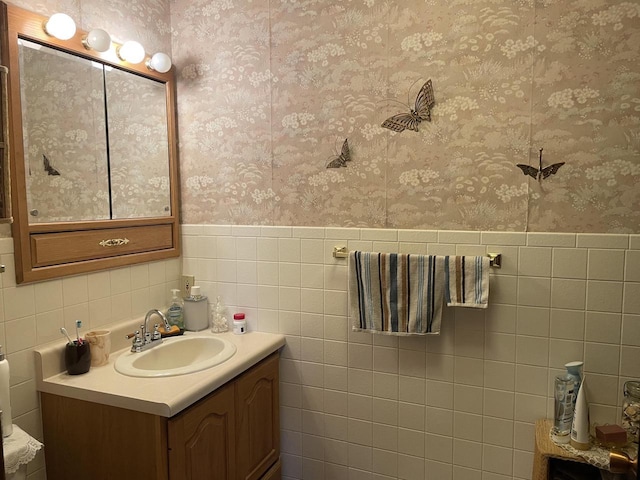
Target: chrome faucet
(143,339)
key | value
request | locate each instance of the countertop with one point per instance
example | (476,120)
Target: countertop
(164,396)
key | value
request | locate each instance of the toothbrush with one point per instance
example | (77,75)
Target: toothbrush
(78,325)
(64,332)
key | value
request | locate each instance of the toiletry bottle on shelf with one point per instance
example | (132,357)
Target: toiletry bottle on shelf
(175,312)
(631,410)
(574,370)
(196,316)
(564,396)
(218,318)
(580,439)
(5,396)
(239,324)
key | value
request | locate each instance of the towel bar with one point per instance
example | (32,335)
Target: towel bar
(340,252)
(495,259)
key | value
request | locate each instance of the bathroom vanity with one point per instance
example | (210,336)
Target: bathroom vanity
(220,423)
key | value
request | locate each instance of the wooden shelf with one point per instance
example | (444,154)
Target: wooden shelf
(545,449)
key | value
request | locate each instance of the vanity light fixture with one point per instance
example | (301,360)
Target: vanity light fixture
(60,26)
(160,62)
(98,40)
(131,52)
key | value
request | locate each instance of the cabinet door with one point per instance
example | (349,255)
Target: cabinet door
(201,439)
(257,419)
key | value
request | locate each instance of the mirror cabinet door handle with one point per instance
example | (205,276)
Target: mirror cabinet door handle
(114,242)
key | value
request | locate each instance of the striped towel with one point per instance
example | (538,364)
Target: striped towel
(467,281)
(396,294)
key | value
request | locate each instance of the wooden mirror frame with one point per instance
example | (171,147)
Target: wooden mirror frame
(50,250)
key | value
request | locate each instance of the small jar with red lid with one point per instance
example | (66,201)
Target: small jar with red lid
(239,324)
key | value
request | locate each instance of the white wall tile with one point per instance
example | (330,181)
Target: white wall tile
(75,289)
(48,296)
(601,358)
(630,362)
(568,293)
(289,249)
(500,347)
(504,238)
(564,351)
(99,285)
(606,264)
(467,454)
(603,327)
(631,330)
(379,234)
(453,236)
(18,302)
(535,261)
(533,321)
(600,240)
(604,296)
(567,324)
(498,404)
(532,350)
(631,303)
(569,263)
(418,236)
(534,291)
(551,239)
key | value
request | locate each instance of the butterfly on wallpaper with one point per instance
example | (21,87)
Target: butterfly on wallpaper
(342,159)
(540,173)
(421,111)
(47,166)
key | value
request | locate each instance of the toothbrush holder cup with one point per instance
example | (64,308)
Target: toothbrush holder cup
(77,357)
(100,341)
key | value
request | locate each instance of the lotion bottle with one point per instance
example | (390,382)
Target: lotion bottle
(580,427)
(5,396)
(196,317)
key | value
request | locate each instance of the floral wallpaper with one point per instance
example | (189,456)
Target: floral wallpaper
(269,91)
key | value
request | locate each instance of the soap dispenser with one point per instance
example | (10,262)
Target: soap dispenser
(175,312)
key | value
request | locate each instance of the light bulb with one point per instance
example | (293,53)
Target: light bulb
(160,62)
(60,26)
(131,52)
(98,40)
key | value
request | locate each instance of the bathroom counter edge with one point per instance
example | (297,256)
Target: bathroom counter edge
(165,396)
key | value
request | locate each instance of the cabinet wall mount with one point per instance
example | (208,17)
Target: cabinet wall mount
(231,434)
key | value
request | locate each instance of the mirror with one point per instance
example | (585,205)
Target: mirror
(93,154)
(138,145)
(101,154)
(64,137)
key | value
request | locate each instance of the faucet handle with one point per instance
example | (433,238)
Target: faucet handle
(156,333)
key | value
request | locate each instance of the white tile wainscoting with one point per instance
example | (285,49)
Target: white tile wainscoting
(456,406)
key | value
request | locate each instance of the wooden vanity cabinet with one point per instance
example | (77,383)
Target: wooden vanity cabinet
(231,434)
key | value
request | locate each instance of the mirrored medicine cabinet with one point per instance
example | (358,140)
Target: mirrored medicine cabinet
(92,154)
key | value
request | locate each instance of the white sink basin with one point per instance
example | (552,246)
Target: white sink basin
(176,356)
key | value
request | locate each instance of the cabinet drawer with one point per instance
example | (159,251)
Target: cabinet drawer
(67,247)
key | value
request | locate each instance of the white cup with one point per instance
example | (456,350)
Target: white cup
(100,341)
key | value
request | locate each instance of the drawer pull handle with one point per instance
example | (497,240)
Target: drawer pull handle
(114,242)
